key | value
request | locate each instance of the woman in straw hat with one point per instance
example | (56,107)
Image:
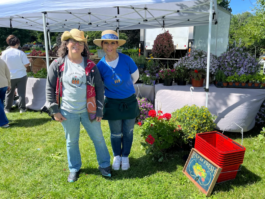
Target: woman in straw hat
(119,73)
(75,93)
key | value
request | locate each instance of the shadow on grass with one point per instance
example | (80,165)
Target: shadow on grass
(244,177)
(144,166)
(29,122)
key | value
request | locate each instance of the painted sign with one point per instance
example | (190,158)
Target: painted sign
(201,171)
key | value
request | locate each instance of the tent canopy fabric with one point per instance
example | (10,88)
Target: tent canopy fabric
(104,14)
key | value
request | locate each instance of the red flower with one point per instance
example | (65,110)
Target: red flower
(139,123)
(159,112)
(167,116)
(196,71)
(152,125)
(161,117)
(150,139)
(152,113)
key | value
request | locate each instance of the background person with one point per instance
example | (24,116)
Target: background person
(82,91)
(119,73)
(5,85)
(17,62)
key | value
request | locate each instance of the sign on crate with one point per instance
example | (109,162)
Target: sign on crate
(201,171)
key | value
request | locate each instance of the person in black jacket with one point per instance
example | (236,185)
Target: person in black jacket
(74,94)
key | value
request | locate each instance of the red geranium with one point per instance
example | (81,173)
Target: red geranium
(160,112)
(167,116)
(196,71)
(139,123)
(161,117)
(152,113)
(150,139)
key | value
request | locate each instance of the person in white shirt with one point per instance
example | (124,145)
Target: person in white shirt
(17,62)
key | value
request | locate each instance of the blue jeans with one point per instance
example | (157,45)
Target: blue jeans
(72,130)
(3,118)
(121,136)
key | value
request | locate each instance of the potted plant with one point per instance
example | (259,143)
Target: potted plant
(163,45)
(197,77)
(219,77)
(150,75)
(236,79)
(167,75)
(224,81)
(139,61)
(193,120)
(263,82)
(243,79)
(250,80)
(145,106)
(258,79)
(182,75)
(230,80)
(159,134)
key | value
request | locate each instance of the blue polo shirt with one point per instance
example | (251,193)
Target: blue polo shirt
(117,81)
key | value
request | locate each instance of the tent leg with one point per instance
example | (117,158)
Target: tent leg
(49,38)
(45,39)
(209,50)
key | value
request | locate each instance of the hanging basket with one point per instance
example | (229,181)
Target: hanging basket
(197,83)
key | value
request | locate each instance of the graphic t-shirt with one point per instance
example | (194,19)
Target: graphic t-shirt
(74,87)
(117,81)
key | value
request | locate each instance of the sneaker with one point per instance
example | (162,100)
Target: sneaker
(7,110)
(73,176)
(23,110)
(5,126)
(125,165)
(106,172)
(116,163)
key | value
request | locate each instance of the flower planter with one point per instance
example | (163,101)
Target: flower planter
(250,84)
(225,84)
(230,83)
(236,83)
(243,84)
(197,83)
(168,82)
(263,85)
(181,82)
(256,84)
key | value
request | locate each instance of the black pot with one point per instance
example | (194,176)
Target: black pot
(181,82)
(161,81)
(168,82)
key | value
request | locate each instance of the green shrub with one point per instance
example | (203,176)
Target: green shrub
(193,120)
(243,78)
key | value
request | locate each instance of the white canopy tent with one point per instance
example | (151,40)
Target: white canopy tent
(58,16)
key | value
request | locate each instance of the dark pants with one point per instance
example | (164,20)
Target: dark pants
(3,119)
(20,84)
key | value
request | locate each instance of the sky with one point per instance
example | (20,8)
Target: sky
(240,6)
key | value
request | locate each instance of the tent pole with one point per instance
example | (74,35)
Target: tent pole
(49,38)
(45,39)
(209,51)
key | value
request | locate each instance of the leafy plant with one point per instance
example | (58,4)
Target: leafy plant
(42,73)
(139,60)
(236,77)
(257,78)
(150,75)
(145,106)
(159,134)
(197,59)
(243,78)
(230,78)
(224,78)
(197,74)
(219,75)
(250,78)
(236,60)
(182,73)
(167,73)
(163,45)
(193,120)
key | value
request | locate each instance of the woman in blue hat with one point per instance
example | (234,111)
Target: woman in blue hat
(119,73)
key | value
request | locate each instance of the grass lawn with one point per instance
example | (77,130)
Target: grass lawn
(34,165)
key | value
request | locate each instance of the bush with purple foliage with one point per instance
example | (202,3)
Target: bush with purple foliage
(237,60)
(145,106)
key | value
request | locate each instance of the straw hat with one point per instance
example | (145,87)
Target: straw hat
(109,35)
(74,34)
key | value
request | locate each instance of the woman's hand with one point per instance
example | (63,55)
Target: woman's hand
(58,117)
(98,119)
(8,89)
